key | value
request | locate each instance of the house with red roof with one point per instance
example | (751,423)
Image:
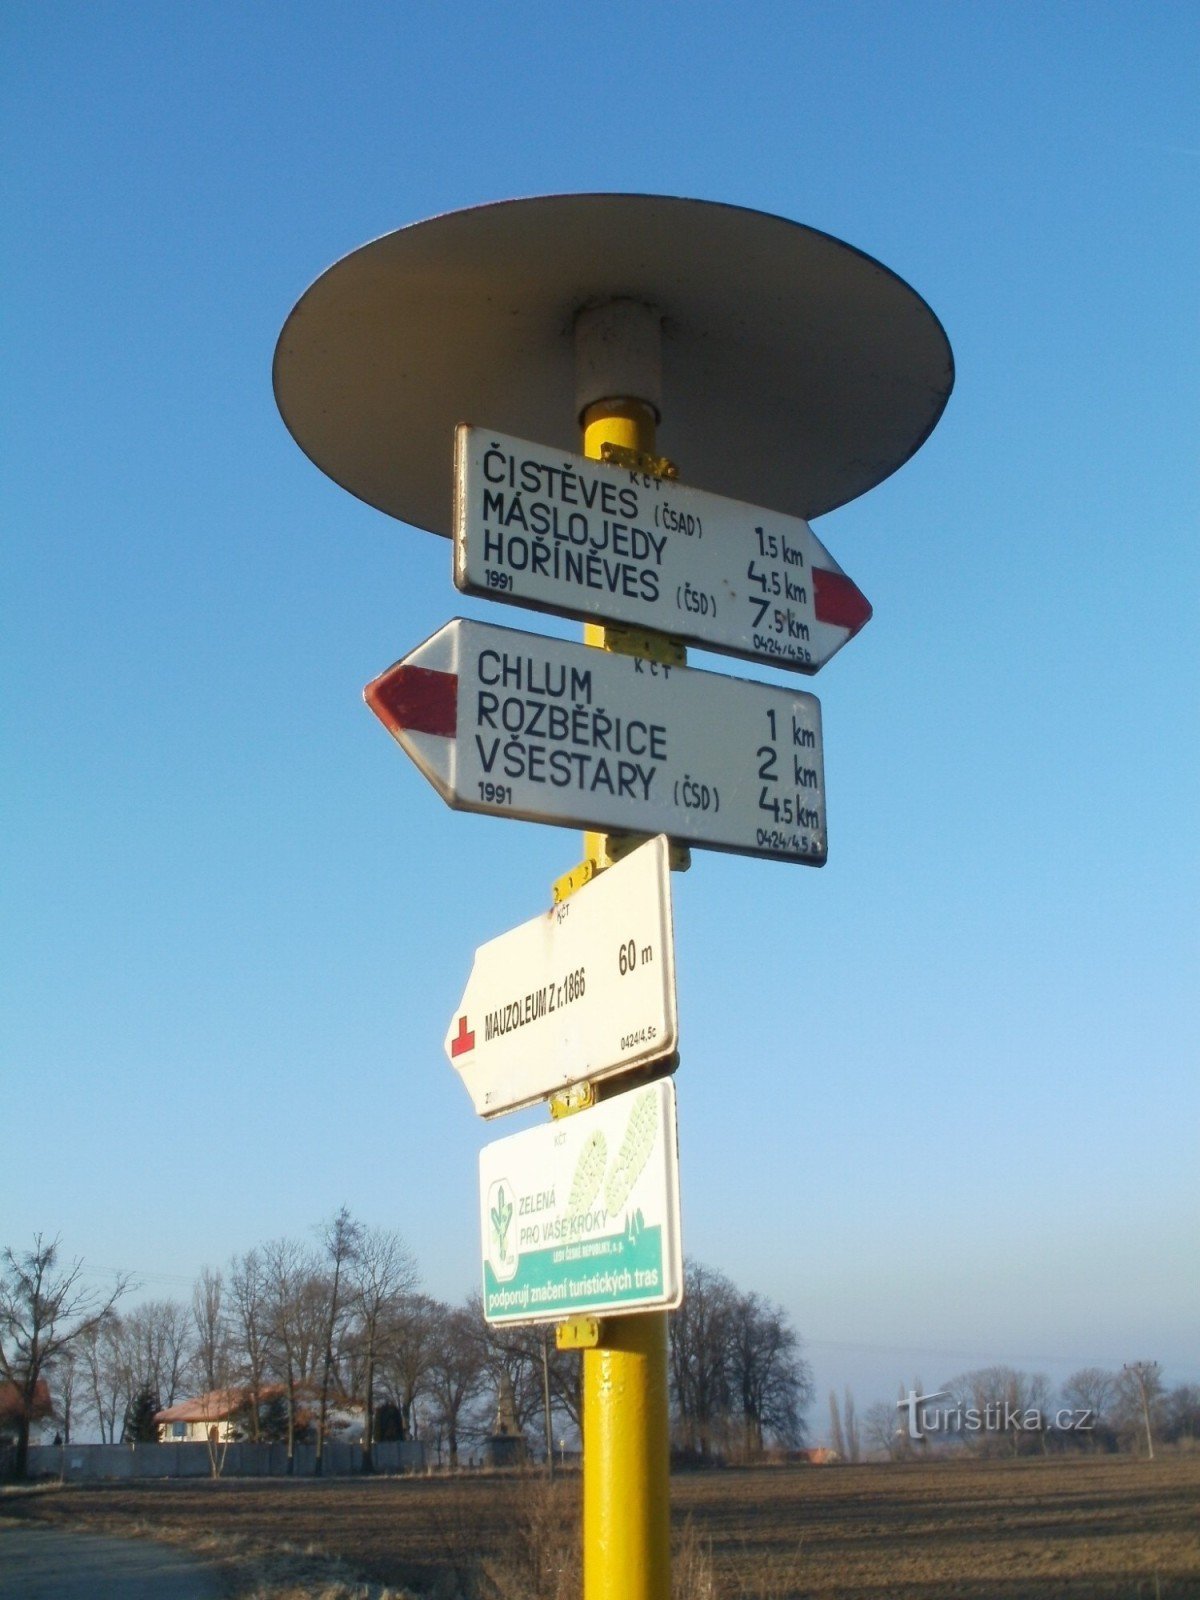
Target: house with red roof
(223,1415)
(216,1417)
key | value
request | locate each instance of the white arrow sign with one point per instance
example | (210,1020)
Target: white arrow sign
(547,731)
(582,1215)
(582,992)
(541,528)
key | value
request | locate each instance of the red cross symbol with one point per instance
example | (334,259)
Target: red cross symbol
(463,1041)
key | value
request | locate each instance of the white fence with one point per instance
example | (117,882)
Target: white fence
(96,1463)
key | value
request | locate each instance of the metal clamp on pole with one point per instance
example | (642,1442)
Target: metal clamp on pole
(580,1333)
(577,1098)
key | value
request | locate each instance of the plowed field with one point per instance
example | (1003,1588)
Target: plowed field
(1104,1529)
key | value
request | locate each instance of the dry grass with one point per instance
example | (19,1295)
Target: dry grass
(542,1556)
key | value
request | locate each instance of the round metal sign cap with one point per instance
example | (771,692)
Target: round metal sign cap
(796,371)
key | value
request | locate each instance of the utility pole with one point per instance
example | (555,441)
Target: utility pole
(546,1404)
(1143,1372)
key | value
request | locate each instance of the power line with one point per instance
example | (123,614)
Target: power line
(137,1277)
(956,1355)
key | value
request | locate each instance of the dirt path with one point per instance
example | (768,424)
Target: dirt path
(42,1563)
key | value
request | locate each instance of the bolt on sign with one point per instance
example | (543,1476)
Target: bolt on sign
(559,532)
(582,992)
(549,731)
(581,1216)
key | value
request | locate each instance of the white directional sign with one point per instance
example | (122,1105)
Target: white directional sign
(541,528)
(582,992)
(582,1216)
(548,731)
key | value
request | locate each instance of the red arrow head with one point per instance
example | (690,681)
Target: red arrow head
(415,698)
(839,601)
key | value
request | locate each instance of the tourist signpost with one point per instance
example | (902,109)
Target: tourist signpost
(797,373)
(541,729)
(579,994)
(552,530)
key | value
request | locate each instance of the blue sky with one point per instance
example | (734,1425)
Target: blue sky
(940,1098)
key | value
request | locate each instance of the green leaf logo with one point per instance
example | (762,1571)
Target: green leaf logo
(501,1217)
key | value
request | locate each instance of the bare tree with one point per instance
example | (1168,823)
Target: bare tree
(737,1376)
(698,1356)
(69,1374)
(1182,1413)
(1091,1389)
(340,1237)
(542,1380)
(565,1372)
(548,1420)
(44,1310)
(767,1372)
(1090,1393)
(290,1300)
(212,1332)
(251,1322)
(105,1393)
(1002,1409)
(221,1367)
(156,1342)
(511,1354)
(118,1373)
(457,1374)
(881,1425)
(135,1358)
(385,1276)
(408,1350)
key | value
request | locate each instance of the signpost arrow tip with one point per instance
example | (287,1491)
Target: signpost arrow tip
(839,601)
(415,698)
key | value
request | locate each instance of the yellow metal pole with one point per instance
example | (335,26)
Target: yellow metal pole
(626,1462)
(626,1449)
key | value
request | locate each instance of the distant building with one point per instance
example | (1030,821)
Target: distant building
(218,1416)
(223,1415)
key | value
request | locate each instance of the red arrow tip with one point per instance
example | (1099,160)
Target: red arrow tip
(839,601)
(415,698)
